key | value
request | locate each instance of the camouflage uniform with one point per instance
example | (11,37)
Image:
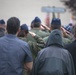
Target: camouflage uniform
(35,46)
(39,32)
(65,40)
(30,38)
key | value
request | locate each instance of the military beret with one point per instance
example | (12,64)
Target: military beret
(2,21)
(37,19)
(56,21)
(24,27)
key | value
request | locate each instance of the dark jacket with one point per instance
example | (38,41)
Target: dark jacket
(54,59)
(2,32)
(72,49)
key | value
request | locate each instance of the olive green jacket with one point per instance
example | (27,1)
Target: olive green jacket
(39,32)
(35,46)
(65,40)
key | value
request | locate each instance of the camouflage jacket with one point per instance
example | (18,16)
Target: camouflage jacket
(39,32)
(35,46)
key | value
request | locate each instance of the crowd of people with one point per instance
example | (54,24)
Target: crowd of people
(42,50)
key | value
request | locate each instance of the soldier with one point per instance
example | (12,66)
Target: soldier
(37,28)
(56,24)
(35,46)
(2,27)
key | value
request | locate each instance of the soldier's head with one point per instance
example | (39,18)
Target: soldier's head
(2,24)
(13,25)
(24,27)
(37,22)
(23,30)
(55,23)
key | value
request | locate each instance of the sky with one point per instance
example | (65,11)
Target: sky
(27,10)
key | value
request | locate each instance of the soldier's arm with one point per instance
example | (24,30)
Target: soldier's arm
(37,38)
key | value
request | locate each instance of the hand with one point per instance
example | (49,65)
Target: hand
(63,30)
(32,33)
(44,26)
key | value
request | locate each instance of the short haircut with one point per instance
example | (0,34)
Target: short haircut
(37,24)
(55,27)
(13,25)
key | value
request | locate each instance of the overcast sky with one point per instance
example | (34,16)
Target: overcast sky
(26,10)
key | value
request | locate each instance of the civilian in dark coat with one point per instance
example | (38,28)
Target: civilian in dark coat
(54,59)
(72,48)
